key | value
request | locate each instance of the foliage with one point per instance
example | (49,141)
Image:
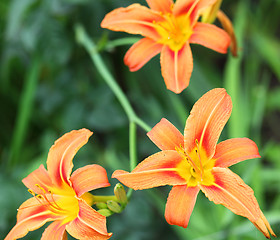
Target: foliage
(49,86)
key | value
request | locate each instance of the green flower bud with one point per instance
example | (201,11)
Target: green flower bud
(101,205)
(120,194)
(105,212)
(114,206)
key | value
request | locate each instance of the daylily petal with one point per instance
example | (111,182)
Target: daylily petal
(235,150)
(89,178)
(134,19)
(211,37)
(32,207)
(31,216)
(140,53)
(192,7)
(180,204)
(161,5)
(38,177)
(176,67)
(166,136)
(62,152)
(263,225)
(55,230)
(207,119)
(89,224)
(230,191)
(156,170)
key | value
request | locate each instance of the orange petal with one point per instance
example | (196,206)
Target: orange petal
(55,230)
(89,224)
(161,5)
(89,178)
(263,225)
(134,19)
(235,150)
(230,191)
(62,152)
(176,67)
(211,37)
(207,119)
(31,216)
(180,203)
(156,170)
(41,177)
(140,53)
(166,136)
(191,7)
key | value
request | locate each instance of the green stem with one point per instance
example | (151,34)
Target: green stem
(89,45)
(120,42)
(91,48)
(132,151)
(103,198)
(142,124)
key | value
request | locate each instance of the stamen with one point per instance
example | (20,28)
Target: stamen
(200,162)
(52,205)
(188,158)
(54,200)
(31,192)
(192,163)
(38,186)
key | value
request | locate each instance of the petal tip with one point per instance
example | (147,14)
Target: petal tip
(118,173)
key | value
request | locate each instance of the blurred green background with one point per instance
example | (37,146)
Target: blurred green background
(49,86)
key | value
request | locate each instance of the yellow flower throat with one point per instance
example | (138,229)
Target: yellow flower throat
(196,167)
(174,31)
(60,201)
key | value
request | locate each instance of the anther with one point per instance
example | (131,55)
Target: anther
(31,192)
(39,196)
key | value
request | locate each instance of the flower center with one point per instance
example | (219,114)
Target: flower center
(196,167)
(60,201)
(174,31)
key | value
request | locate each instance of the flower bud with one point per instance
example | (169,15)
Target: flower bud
(114,206)
(120,194)
(105,212)
(101,205)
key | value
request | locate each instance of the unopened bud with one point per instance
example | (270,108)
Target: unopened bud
(114,206)
(120,194)
(101,205)
(105,212)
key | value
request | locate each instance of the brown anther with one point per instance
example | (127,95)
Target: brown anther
(30,191)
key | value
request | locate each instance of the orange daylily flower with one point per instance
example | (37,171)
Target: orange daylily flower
(195,162)
(168,29)
(62,198)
